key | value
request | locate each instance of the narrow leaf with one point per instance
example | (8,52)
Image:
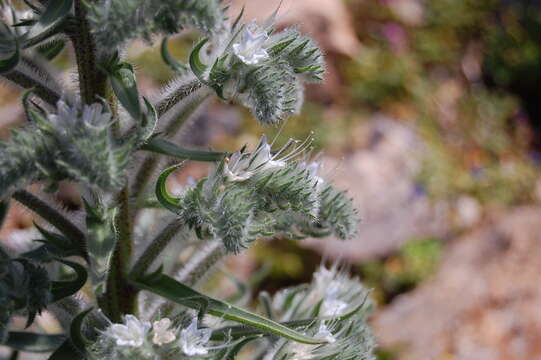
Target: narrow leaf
(164,147)
(196,64)
(167,200)
(66,352)
(76,336)
(169,60)
(53,16)
(32,342)
(173,290)
(62,289)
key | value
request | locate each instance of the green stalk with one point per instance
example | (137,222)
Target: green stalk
(155,248)
(52,216)
(120,296)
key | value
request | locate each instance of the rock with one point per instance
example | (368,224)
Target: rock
(484,303)
(381,178)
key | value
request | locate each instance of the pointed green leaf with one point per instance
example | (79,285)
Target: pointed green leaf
(196,64)
(32,342)
(53,16)
(76,336)
(162,146)
(170,61)
(62,289)
(173,290)
(167,200)
(66,352)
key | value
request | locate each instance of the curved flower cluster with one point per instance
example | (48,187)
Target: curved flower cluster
(74,142)
(24,287)
(163,340)
(340,304)
(265,70)
(254,194)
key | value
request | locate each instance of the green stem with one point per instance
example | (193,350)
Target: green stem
(120,296)
(52,216)
(155,248)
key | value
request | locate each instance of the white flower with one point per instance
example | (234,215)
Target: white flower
(325,334)
(193,340)
(242,165)
(163,334)
(132,333)
(250,49)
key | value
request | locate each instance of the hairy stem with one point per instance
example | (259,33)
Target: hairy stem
(173,124)
(155,248)
(120,296)
(52,216)
(92,81)
(201,263)
(25,81)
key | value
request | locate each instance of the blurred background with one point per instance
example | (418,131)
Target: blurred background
(430,118)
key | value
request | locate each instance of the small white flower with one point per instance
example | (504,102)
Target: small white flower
(193,340)
(325,334)
(163,334)
(250,49)
(132,333)
(241,166)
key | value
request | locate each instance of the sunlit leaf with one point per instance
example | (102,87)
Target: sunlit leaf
(164,147)
(173,290)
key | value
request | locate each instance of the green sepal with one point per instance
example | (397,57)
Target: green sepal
(170,61)
(167,200)
(164,147)
(31,342)
(179,293)
(48,23)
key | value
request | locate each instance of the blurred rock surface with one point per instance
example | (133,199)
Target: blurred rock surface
(381,178)
(484,303)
